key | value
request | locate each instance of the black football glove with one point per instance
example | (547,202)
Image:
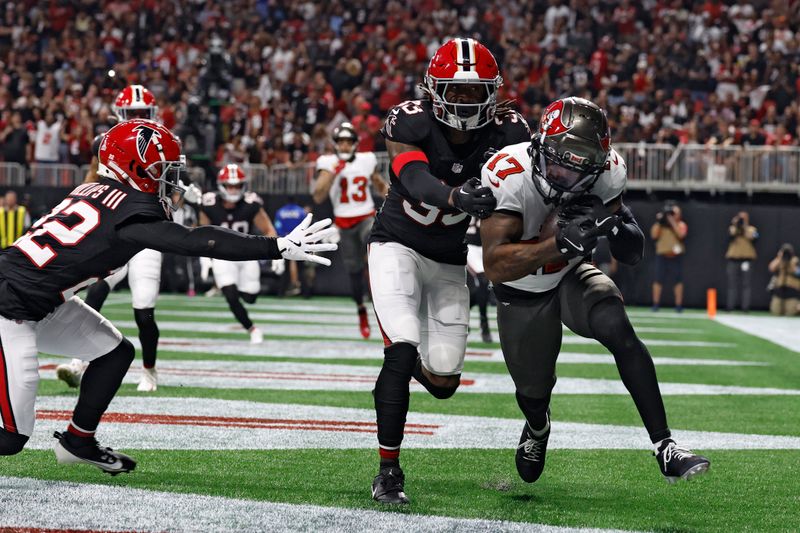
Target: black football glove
(474,199)
(581,221)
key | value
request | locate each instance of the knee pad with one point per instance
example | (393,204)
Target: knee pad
(11,443)
(445,358)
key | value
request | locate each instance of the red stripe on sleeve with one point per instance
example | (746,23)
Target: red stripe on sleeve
(405,158)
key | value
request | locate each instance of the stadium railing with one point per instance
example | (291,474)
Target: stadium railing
(688,167)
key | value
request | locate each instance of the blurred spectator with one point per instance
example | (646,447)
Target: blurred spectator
(15,139)
(48,137)
(740,256)
(785,283)
(14,220)
(669,233)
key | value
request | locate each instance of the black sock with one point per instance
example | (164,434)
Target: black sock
(100,383)
(391,396)
(96,294)
(441,393)
(357,287)
(535,410)
(231,294)
(482,295)
(148,335)
(611,327)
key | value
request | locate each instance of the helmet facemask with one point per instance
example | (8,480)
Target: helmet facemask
(130,113)
(464,104)
(555,174)
(345,154)
(168,176)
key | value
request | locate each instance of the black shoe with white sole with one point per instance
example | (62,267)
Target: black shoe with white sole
(531,452)
(387,487)
(71,449)
(679,463)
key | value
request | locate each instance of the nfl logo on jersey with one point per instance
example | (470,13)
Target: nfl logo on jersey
(457,168)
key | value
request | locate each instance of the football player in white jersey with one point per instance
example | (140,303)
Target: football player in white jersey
(345,177)
(143,270)
(555,196)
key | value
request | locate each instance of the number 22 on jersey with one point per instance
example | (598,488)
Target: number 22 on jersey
(41,254)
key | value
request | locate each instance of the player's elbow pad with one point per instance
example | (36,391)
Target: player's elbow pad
(414,173)
(627,245)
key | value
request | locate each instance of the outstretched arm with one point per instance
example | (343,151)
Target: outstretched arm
(209,241)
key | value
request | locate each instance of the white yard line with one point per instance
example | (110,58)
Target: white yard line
(351,332)
(206,424)
(331,377)
(784,331)
(360,350)
(32,503)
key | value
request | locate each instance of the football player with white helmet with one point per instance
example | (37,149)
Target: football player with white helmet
(345,177)
(97,229)
(417,254)
(556,195)
(233,206)
(143,270)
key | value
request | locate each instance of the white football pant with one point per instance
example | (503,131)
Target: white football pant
(421,302)
(73,330)
(475,259)
(246,275)
(144,278)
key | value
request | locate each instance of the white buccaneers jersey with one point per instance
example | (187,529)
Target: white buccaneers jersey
(508,175)
(350,192)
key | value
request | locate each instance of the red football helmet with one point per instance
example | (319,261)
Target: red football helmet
(232,182)
(463,79)
(135,101)
(144,155)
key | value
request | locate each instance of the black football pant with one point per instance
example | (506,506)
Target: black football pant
(589,304)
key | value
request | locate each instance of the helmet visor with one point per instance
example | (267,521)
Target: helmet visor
(563,178)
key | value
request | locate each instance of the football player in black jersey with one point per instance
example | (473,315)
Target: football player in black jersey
(416,252)
(234,207)
(97,228)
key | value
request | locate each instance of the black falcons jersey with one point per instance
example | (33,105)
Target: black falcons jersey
(437,233)
(72,246)
(239,217)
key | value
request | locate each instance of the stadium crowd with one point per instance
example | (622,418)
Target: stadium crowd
(264,81)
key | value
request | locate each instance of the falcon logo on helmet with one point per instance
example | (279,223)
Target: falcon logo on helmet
(135,101)
(569,151)
(462,80)
(343,133)
(232,183)
(144,155)
(144,136)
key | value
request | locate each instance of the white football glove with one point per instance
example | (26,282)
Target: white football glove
(306,239)
(191,193)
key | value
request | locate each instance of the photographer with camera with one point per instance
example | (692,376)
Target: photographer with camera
(740,256)
(785,282)
(669,231)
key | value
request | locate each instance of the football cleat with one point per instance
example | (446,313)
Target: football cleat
(387,487)
(149,381)
(486,334)
(256,336)
(72,372)
(363,323)
(531,453)
(679,463)
(76,450)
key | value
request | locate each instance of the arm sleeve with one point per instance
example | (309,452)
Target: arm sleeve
(416,177)
(208,241)
(627,243)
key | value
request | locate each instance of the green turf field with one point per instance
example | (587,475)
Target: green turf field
(745,490)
